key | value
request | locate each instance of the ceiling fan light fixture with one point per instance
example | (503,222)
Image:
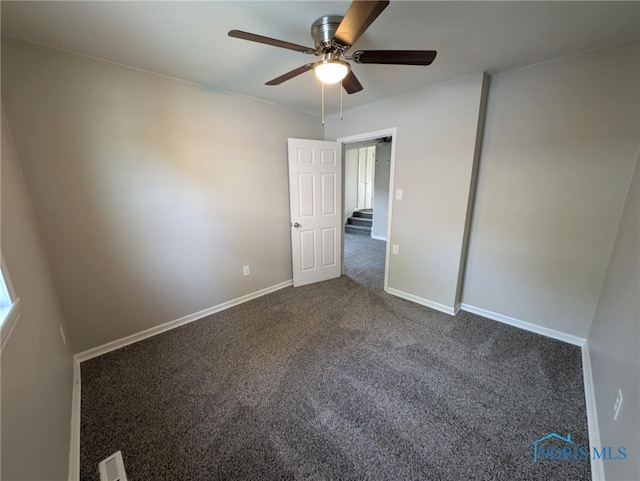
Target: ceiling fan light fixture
(331,71)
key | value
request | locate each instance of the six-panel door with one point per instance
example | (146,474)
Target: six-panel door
(315,189)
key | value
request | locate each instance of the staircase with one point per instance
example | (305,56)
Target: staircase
(360,222)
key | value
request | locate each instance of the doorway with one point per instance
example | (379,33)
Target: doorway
(368,167)
(359,173)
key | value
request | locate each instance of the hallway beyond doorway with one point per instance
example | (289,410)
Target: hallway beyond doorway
(360,222)
(364,260)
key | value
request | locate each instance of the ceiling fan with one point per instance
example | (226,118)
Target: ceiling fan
(333,36)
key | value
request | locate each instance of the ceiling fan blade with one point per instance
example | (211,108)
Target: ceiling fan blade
(252,37)
(290,75)
(360,15)
(395,57)
(351,84)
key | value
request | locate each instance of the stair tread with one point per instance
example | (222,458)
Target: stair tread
(357,229)
(359,221)
(362,214)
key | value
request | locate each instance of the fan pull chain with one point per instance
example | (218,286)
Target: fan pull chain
(322,103)
(340,99)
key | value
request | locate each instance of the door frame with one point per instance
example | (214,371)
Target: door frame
(388,132)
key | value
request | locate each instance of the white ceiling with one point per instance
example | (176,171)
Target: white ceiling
(188,40)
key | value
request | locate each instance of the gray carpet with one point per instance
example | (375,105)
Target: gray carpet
(335,381)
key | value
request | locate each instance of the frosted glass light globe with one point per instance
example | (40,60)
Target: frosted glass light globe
(331,71)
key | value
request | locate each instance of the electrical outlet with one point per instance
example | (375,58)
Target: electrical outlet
(246,270)
(64,338)
(399,194)
(395,249)
(617,405)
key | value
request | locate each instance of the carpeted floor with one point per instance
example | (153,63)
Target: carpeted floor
(335,381)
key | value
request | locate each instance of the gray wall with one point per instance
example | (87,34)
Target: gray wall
(381,191)
(151,193)
(436,139)
(614,342)
(560,143)
(37,369)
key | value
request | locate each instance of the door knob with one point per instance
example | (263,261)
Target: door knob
(297,225)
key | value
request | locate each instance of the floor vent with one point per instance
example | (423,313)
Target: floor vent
(112,468)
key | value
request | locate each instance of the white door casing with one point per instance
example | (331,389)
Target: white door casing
(378,134)
(315,195)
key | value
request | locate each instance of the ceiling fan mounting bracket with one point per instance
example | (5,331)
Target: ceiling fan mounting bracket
(323,31)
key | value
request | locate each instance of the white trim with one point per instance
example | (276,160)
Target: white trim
(9,315)
(393,133)
(378,237)
(350,214)
(9,320)
(597,464)
(167,326)
(527,326)
(74,443)
(376,134)
(419,300)
(5,274)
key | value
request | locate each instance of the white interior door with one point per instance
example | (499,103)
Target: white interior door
(366,166)
(315,193)
(371,165)
(362,177)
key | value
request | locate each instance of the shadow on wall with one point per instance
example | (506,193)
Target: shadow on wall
(151,193)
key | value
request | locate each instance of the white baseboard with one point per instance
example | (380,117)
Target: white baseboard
(346,217)
(527,326)
(167,326)
(378,237)
(424,302)
(597,464)
(74,442)
(74,448)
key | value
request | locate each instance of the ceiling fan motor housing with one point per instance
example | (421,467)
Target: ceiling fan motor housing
(323,31)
